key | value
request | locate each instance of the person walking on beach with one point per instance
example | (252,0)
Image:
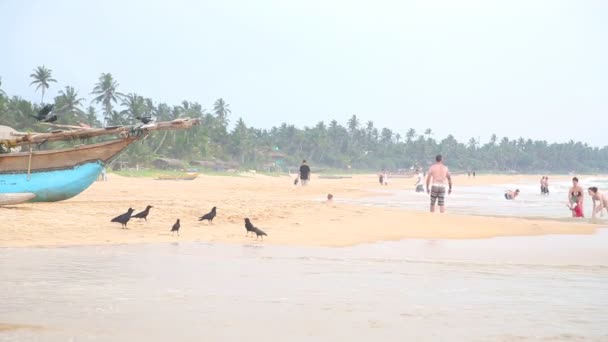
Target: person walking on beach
(439,174)
(304,173)
(600,197)
(419,181)
(576,198)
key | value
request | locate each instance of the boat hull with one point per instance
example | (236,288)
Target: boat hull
(62,159)
(52,185)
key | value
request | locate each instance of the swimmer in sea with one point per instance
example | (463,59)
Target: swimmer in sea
(543,186)
(600,197)
(575,197)
(510,195)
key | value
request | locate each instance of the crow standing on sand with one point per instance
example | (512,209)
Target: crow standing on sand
(209,216)
(249,226)
(258,232)
(175,228)
(44,115)
(143,214)
(124,218)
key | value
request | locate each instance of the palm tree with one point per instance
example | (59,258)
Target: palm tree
(107,94)
(353,124)
(221,110)
(1,91)
(42,77)
(69,104)
(135,106)
(91,117)
(386,136)
(410,135)
(472,145)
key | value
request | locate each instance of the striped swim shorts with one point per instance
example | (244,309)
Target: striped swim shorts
(438,195)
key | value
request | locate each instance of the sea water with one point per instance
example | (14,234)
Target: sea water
(489,200)
(501,289)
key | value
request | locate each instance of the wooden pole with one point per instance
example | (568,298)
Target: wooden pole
(29,163)
(34,138)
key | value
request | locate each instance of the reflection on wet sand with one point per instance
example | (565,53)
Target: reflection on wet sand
(545,287)
(8,327)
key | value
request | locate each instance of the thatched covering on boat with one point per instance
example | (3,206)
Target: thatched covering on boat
(5,132)
(168,164)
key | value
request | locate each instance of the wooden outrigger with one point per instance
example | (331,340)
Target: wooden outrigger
(55,175)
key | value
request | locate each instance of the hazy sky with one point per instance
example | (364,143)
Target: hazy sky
(470,68)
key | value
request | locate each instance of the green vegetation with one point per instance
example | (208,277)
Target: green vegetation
(151,173)
(355,146)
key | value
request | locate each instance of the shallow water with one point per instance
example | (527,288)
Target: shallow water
(510,288)
(489,200)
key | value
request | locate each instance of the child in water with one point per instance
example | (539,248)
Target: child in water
(577,209)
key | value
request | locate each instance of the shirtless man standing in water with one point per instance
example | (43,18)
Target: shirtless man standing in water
(440,174)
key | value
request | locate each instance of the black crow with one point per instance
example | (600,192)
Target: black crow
(249,226)
(143,214)
(124,218)
(145,119)
(209,216)
(44,115)
(258,232)
(44,112)
(175,228)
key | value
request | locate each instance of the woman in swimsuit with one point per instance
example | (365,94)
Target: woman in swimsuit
(575,199)
(596,195)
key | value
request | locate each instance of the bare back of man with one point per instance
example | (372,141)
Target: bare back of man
(440,177)
(439,174)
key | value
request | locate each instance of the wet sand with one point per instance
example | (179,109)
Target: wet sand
(5,327)
(545,288)
(289,215)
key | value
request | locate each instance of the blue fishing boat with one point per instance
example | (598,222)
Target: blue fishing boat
(56,175)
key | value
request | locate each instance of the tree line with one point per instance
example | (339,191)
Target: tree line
(356,144)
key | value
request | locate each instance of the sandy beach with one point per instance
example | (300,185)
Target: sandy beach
(289,215)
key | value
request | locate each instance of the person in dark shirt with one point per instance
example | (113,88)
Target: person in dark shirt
(304,173)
